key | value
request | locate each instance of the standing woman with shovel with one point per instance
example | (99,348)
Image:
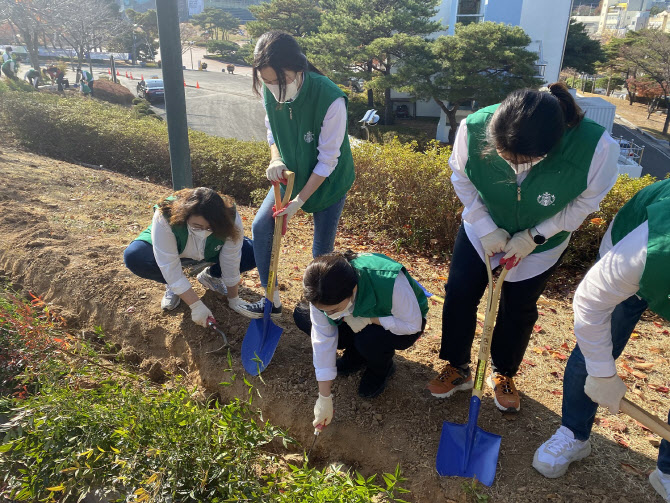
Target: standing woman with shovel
(307,133)
(528,172)
(633,274)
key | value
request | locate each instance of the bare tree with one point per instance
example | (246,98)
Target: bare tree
(31,18)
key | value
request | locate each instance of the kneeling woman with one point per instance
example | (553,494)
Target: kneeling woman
(195,224)
(369,306)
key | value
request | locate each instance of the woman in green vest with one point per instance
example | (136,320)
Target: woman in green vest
(528,172)
(307,133)
(196,224)
(632,274)
(369,306)
(10,66)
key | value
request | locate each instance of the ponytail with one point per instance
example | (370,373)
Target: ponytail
(572,114)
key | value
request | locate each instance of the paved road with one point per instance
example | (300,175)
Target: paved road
(224,105)
(655,160)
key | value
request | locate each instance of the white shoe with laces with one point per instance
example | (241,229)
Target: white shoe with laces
(170,300)
(212,283)
(554,456)
(661,482)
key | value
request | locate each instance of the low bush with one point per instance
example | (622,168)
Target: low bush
(106,90)
(79,427)
(402,189)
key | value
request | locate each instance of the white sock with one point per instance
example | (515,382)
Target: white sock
(276,301)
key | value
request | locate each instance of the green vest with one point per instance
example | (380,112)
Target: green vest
(86,76)
(213,244)
(651,204)
(376,278)
(548,188)
(296,127)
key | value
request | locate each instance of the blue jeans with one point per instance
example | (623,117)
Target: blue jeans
(139,258)
(263,228)
(579,410)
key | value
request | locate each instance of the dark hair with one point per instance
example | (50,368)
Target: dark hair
(330,278)
(529,123)
(281,52)
(218,210)
(8,49)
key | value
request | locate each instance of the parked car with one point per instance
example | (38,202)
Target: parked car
(151,90)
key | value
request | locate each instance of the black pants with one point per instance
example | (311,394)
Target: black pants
(374,343)
(516,316)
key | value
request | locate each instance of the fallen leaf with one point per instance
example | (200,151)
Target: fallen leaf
(537,328)
(622,441)
(665,332)
(556,392)
(641,425)
(643,366)
(547,347)
(658,324)
(635,373)
(528,362)
(553,310)
(131,309)
(656,350)
(565,345)
(653,440)
(632,470)
(639,360)
(539,351)
(660,389)
(557,375)
(442,278)
(558,355)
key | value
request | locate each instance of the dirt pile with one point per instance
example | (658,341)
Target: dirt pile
(64,229)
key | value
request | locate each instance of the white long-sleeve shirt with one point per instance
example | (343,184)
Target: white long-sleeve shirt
(478,223)
(331,137)
(613,279)
(405,319)
(168,257)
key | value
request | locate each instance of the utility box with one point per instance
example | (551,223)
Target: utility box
(598,110)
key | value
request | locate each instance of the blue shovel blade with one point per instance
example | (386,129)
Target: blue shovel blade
(260,342)
(428,294)
(466,450)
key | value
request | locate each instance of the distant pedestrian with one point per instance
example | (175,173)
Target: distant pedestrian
(9,67)
(7,55)
(86,79)
(58,75)
(32,76)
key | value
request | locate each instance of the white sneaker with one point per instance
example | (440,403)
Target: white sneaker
(170,300)
(661,482)
(212,283)
(554,456)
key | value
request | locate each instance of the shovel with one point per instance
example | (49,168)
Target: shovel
(263,335)
(466,450)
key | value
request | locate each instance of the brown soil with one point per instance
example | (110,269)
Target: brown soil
(64,229)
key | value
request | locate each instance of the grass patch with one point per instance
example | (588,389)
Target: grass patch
(76,425)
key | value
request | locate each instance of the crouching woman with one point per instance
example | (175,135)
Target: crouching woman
(195,224)
(369,306)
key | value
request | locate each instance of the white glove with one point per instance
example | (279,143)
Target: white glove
(605,391)
(239,306)
(357,323)
(323,411)
(290,209)
(494,242)
(275,171)
(200,313)
(521,245)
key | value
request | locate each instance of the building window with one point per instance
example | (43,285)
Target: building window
(469,11)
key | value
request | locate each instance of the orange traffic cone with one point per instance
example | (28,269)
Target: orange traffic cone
(184,82)
(131,76)
(142,77)
(126,74)
(109,71)
(197,84)
(118,73)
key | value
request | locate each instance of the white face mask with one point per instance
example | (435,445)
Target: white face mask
(291,89)
(199,233)
(524,166)
(341,314)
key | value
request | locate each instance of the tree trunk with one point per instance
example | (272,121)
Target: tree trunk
(388,108)
(451,117)
(371,97)
(667,115)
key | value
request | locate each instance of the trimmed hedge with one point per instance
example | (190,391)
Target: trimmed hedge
(399,190)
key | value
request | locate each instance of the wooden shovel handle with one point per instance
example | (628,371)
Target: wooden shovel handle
(651,421)
(279,223)
(487,331)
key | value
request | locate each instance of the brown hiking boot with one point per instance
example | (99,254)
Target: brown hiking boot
(505,394)
(450,380)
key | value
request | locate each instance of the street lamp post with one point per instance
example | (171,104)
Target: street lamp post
(191,49)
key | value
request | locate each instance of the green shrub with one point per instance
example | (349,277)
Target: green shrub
(106,90)
(406,194)
(585,242)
